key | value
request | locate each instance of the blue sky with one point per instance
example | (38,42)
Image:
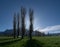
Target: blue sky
(46,13)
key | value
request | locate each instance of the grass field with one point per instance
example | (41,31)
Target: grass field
(47,41)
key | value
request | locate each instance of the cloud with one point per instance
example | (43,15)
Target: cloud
(50,28)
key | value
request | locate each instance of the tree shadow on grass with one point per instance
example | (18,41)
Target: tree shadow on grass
(9,42)
(33,43)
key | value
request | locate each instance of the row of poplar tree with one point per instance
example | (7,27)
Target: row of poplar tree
(23,27)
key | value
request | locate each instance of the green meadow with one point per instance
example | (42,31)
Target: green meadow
(45,41)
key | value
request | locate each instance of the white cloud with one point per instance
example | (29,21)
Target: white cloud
(50,28)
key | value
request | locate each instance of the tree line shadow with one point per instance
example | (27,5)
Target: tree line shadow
(33,43)
(9,42)
(29,43)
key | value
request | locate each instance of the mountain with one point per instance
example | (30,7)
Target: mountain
(7,32)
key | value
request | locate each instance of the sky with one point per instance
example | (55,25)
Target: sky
(46,14)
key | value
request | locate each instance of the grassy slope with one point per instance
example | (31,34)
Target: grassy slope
(53,41)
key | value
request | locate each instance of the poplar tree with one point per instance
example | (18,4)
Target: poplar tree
(31,23)
(23,13)
(14,26)
(18,24)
